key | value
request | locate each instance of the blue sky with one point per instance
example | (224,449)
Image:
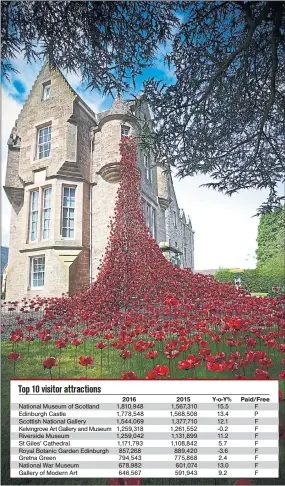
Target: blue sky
(225,232)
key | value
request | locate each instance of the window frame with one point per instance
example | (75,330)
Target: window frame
(174,219)
(147,167)
(39,287)
(67,207)
(46,85)
(125,127)
(150,217)
(31,212)
(43,209)
(42,144)
(153,220)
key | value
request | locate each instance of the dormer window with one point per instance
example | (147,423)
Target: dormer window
(46,90)
(125,131)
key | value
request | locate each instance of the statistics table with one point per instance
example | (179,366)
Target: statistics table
(141,428)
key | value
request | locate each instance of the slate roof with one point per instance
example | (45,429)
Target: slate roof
(119,107)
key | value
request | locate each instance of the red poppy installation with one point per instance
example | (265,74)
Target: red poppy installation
(156,313)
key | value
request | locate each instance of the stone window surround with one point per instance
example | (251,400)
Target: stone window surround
(37,126)
(146,204)
(40,190)
(147,168)
(45,85)
(174,219)
(125,127)
(30,279)
(49,199)
(31,211)
(73,186)
(55,239)
(43,143)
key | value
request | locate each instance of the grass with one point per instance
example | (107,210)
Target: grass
(259,294)
(31,367)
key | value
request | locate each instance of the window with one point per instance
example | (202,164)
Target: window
(46,90)
(46,213)
(68,208)
(44,136)
(37,272)
(150,217)
(185,255)
(153,225)
(125,131)
(34,213)
(175,219)
(147,168)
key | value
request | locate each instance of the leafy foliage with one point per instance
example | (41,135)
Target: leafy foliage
(225,275)
(258,279)
(271,237)
(224,114)
(109,42)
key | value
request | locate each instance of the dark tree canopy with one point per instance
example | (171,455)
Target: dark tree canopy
(224,112)
(109,42)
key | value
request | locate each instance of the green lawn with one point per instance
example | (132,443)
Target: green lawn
(259,294)
(31,367)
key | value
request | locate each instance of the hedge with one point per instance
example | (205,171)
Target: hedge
(255,280)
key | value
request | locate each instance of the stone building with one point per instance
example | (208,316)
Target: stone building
(62,178)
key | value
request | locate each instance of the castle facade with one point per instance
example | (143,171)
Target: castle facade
(62,177)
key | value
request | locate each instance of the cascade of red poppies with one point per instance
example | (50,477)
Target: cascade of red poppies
(136,282)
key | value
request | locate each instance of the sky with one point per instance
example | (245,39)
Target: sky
(225,229)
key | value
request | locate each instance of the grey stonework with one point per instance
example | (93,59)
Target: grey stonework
(84,155)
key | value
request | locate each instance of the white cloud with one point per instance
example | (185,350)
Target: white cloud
(10,112)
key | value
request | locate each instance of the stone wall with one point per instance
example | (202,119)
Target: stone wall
(71,163)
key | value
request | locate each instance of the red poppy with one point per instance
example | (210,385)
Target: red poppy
(282,374)
(30,328)
(101,345)
(161,370)
(186,365)
(151,355)
(243,482)
(76,342)
(129,375)
(16,337)
(49,363)
(85,360)
(261,374)
(60,344)
(14,356)
(215,367)
(122,481)
(109,336)
(125,354)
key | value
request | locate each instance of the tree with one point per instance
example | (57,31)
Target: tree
(271,237)
(224,275)
(108,42)
(223,114)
